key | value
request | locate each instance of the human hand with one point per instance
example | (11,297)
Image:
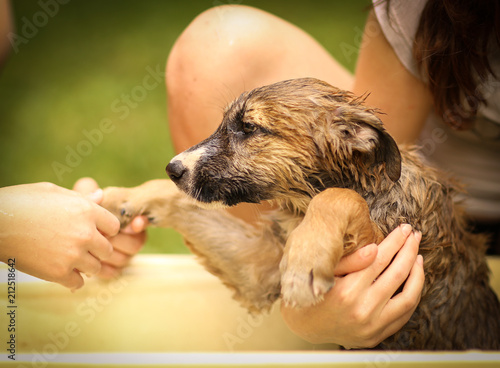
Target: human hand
(54,233)
(360,310)
(126,243)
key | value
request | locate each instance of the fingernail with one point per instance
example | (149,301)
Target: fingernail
(418,235)
(96,196)
(420,260)
(128,230)
(137,225)
(406,229)
(366,251)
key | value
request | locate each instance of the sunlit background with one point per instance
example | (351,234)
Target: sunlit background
(83,91)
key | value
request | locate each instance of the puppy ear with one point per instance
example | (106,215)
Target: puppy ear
(388,152)
(369,136)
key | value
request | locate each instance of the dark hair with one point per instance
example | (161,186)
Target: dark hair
(451,49)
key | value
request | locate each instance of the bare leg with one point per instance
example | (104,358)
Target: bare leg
(227,50)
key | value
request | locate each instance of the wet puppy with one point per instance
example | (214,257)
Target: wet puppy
(341,182)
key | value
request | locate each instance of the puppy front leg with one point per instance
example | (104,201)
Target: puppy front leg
(337,222)
(244,257)
(154,199)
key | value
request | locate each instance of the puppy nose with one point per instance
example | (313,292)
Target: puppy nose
(175,170)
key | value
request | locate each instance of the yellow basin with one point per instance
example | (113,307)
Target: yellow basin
(166,310)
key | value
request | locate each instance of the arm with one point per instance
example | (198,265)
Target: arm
(404,99)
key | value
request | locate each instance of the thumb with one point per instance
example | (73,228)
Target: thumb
(89,188)
(357,261)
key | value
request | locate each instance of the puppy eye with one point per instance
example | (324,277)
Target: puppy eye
(249,128)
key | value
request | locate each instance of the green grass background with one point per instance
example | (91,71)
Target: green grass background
(65,79)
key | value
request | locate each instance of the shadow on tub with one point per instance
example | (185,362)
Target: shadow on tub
(166,310)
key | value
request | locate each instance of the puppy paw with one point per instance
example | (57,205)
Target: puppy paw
(308,265)
(154,199)
(304,283)
(116,201)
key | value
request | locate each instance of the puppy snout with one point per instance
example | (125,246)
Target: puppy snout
(175,170)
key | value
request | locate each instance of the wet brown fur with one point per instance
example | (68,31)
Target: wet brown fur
(341,183)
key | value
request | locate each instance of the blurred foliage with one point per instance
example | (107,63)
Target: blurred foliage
(76,99)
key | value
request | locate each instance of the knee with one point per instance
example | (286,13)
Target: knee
(223,27)
(218,36)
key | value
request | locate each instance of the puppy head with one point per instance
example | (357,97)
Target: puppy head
(287,141)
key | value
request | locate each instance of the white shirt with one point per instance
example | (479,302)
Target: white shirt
(472,156)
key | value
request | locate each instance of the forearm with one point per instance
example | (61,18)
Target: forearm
(13,223)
